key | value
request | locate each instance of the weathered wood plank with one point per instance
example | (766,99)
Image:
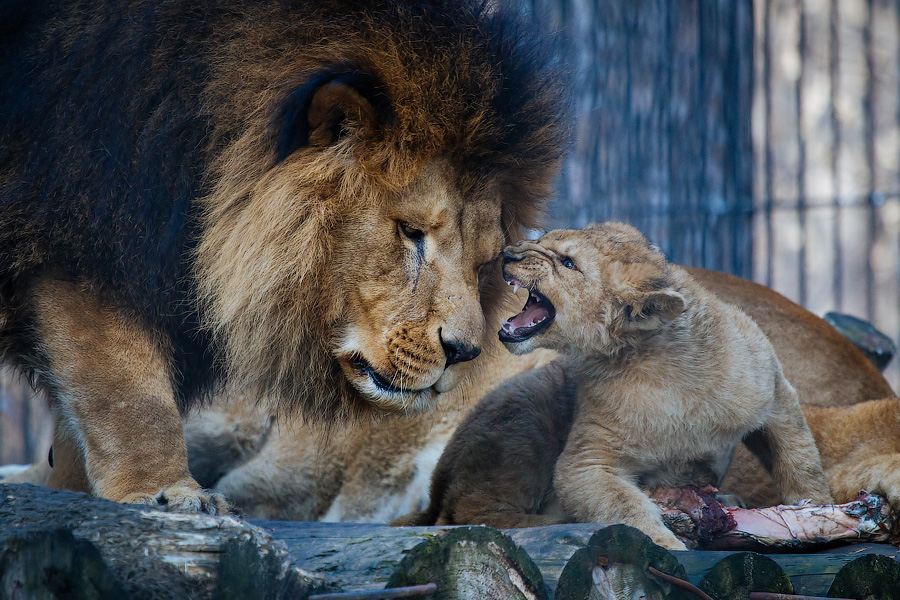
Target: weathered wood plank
(662,100)
(615,564)
(155,554)
(323,548)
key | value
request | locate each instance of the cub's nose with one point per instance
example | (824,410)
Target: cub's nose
(457,352)
(509,256)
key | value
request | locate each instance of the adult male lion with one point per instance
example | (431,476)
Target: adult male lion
(303,196)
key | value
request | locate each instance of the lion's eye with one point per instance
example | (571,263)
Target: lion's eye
(411,233)
(568,263)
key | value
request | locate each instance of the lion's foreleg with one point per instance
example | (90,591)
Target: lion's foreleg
(877,474)
(110,390)
(788,450)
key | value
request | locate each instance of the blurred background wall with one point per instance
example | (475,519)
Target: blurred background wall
(759,138)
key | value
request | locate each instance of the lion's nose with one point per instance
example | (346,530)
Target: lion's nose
(457,352)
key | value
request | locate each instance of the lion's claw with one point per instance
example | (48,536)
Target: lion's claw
(183,499)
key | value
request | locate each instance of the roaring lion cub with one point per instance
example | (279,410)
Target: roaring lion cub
(663,380)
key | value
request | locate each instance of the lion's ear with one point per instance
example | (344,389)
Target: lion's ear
(329,105)
(653,309)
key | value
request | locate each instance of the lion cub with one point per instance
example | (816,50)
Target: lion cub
(666,381)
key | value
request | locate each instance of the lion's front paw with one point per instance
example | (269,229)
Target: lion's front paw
(184,499)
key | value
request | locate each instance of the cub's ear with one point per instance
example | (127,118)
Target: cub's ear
(653,309)
(331,104)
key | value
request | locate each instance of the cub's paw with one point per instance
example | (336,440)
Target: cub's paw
(183,499)
(667,540)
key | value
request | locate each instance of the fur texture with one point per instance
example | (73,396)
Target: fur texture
(283,194)
(666,381)
(301,474)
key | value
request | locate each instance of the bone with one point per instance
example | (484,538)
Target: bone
(701,521)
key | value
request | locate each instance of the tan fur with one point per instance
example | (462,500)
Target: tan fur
(824,367)
(143,457)
(367,306)
(860,448)
(667,381)
(365,472)
(316,234)
(314,199)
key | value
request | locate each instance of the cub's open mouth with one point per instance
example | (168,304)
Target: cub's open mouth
(537,316)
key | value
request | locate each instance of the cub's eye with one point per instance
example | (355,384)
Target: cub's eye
(411,233)
(568,263)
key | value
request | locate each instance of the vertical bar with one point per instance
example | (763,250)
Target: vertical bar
(743,155)
(885,165)
(817,131)
(685,109)
(770,192)
(760,125)
(853,174)
(834,56)
(785,63)
(869,141)
(801,162)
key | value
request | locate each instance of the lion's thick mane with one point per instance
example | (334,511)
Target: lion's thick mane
(476,97)
(189,193)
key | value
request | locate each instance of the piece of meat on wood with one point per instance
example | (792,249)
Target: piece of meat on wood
(701,521)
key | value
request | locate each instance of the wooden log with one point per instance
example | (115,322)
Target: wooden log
(737,575)
(355,556)
(870,577)
(53,564)
(614,564)
(154,554)
(471,562)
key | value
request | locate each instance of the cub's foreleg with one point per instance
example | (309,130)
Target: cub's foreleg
(787,449)
(110,391)
(595,493)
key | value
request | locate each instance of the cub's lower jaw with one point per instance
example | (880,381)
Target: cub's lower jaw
(537,315)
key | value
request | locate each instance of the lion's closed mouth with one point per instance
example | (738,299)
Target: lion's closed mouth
(365,369)
(535,317)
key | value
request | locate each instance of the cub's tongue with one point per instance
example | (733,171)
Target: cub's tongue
(537,314)
(532,315)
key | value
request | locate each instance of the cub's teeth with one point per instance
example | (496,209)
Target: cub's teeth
(515,287)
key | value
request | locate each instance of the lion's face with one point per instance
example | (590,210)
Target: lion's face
(363,185)
(590,290)
(412,266)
